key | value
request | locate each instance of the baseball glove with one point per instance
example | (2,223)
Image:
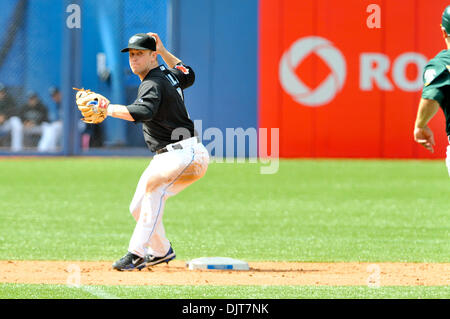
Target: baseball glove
(93,106)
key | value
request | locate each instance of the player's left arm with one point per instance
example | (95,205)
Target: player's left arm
(427,109)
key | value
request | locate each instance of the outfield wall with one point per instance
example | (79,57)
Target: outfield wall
(334,86)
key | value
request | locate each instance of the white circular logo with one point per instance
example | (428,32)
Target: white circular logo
(329,87)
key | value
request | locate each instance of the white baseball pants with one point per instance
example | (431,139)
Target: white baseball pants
(166,175)
(51,136)
(15,127)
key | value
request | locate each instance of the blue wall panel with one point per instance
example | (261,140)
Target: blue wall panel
(234,63)
(43,49)
(34,61)
(219,40)
(12,69)
(194,40)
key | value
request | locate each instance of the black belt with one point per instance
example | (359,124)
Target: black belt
(176,146)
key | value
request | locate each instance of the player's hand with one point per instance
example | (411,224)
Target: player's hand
(159,45)
(93,106)
(424,136)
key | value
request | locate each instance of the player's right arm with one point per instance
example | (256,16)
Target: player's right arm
(120,112)
(168,57)
(183,72)
(422,133)
(435,78)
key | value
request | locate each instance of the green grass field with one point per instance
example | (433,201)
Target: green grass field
(321,211)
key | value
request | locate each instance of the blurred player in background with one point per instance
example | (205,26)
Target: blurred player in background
(10,123)
(55,94)
(436,92)
(52,132)
(34,116)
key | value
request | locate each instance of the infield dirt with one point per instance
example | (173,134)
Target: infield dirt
(260,273)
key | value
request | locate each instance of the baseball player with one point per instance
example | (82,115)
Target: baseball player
(436,92)
(168,131)
(10,123)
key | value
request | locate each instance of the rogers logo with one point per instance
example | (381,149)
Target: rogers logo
(329,87)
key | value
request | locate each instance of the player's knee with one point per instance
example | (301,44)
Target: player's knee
(156,181)
(136,212)
(133,207)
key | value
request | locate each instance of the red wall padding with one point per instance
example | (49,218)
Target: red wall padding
(359,121)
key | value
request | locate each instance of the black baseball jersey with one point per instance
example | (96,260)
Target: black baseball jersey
(436,79)
(8,107)
(160,106)
(36,114)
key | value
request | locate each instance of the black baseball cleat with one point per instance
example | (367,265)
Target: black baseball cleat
(129,262)
(151,260)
